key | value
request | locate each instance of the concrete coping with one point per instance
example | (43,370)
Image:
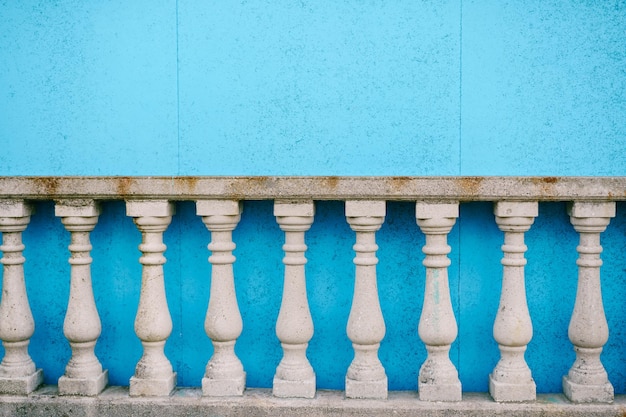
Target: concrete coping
(443,189)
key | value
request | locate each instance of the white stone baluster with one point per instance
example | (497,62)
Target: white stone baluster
(224,374)
(294,375)
(18,374)
(587,381)
(154,375)
(83,373)
(438,378)
(366,376)
(511,379)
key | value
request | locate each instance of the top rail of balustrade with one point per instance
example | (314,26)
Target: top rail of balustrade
(461,188)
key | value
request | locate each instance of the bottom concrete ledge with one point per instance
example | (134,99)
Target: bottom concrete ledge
(115,401)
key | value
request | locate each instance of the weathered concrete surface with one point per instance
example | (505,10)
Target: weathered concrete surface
(115,401)
(318,188)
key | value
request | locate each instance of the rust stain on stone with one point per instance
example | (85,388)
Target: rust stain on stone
(545,184)
(470,185)
(398,183)
(331,182)
(49,185)
(123,185)
(189,183)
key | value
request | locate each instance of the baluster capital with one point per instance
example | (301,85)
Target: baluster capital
(435,217)
(515,216)
(150,208)
(294,216)
(219,215)
(15,208)
(14,215)
(365,215)
(590,217)
(76,208)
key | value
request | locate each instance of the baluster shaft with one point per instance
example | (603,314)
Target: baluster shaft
(366,376)
(154,375)
(18,373)
(224,374)
(587,380)
(511,379)
(83,373)
(294,375)
(438,378)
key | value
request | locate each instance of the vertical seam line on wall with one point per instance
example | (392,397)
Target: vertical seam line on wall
(177,98)
(460,85)
(458,242)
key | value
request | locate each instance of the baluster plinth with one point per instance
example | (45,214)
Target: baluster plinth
(587,380)
(224,375)
(366,377)
(18,373)
(294,328)
(82,327)
(154,375)
(511,380)
(438,378)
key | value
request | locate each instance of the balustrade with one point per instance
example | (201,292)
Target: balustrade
(511,379)
(153,324)
(366,376)
(18,373)
(294,328)
(587,381)
(438,380)
(83,374)
(224,374)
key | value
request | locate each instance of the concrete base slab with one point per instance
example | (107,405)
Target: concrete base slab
(294,389)
(23,385)
(140,387)
(440,392)
(579,393)
(506,392)
(79,386)
(189,402)
(231,387)
(366,389)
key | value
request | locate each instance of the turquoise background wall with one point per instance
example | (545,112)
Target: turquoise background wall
(317,88)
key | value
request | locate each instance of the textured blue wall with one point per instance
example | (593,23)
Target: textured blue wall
(317,88)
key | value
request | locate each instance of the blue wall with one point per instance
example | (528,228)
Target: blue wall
(317,88)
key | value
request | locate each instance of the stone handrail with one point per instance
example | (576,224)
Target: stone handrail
(318,188)
(149,201)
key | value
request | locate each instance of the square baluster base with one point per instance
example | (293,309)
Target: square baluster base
(440,392)
(22,385)
(82,386)
(507,392)
(366,389)
(153,387)
(232,387)
(579,393)
(294,389)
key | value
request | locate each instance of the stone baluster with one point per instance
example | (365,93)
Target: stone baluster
(83,373)
(366,376)
(18,374)
(511,379)
(438,378)
(224,374)
(154,375)
(587,381)
(294,375)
